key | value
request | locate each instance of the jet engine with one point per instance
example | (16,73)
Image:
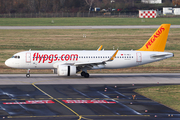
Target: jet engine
(66,70)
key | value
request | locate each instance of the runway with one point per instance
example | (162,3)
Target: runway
(102,96)
(143,78)
(86,27)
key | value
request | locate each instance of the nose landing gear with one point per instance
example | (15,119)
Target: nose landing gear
(28,73)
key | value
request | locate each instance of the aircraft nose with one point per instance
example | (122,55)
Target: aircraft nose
(8,63)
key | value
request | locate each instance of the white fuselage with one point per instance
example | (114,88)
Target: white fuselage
(49,59)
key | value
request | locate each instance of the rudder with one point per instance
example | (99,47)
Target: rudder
(157,41)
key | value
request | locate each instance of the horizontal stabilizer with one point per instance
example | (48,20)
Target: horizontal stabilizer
(160,56)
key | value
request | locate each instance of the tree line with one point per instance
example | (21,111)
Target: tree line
(70,6)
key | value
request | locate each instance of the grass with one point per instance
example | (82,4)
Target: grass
(124,39)
(80,21)
(13,41)
(168,95)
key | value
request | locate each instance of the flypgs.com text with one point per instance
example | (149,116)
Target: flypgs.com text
(54,57)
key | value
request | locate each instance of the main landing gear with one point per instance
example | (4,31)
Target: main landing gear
(86,75)
(28,73)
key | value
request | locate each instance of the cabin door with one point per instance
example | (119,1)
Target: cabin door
(138,57)
(28,57)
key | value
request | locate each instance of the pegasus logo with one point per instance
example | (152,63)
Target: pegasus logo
(155,37)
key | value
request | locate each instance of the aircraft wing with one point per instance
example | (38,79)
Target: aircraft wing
(89,63)
(92,63)
(82,64)
(100,47)
(113,56)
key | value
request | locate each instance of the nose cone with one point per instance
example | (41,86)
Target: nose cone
(8,63)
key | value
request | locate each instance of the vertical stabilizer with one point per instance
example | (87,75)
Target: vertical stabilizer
(157,41)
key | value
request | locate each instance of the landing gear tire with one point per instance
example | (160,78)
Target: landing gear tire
(83,73)
(28,75)
(86,75)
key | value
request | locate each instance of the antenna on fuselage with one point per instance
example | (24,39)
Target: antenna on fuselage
(29,49)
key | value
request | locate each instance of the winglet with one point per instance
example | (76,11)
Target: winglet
(113,56)
(157,41)
(100,47)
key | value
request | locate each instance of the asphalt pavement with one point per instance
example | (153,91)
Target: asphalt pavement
(103,101)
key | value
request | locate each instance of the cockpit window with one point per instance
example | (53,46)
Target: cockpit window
(17,57)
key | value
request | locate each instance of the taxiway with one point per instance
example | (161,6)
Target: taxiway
(143,78)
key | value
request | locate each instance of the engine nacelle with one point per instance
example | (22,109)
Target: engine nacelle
(66,70)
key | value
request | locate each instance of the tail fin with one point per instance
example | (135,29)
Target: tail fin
(157,41)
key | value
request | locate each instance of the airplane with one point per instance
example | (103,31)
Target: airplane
(69,62)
